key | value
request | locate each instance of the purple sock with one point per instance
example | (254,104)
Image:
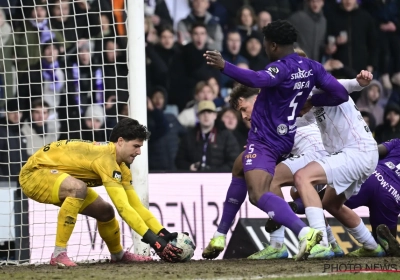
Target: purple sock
(300,206)
(235,197)
(278,209)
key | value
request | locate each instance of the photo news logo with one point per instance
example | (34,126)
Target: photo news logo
(360,267)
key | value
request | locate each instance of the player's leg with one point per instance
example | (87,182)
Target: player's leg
(305,179)
(277,249)
(258,173)
(54,187)
(235,197)
(94,206)
(334,204)
(71,193)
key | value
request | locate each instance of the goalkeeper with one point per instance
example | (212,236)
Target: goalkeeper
(64,172)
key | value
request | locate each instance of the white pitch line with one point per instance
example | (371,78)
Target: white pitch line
(277,276)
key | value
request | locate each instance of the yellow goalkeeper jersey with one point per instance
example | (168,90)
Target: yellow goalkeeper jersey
(91,162)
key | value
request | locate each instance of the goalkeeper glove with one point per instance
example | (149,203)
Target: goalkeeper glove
(165,250)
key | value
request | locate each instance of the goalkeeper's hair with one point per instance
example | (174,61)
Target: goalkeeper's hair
(241,91)
(129,129)
(281,32)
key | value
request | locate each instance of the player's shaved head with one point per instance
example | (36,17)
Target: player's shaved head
(241,91)
(280,32)
(279,37)
(129,129)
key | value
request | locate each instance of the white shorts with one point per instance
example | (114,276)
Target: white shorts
(348,169)
(297,162)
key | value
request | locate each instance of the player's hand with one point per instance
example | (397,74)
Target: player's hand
(214,58)
(165,250)
(306,108)
(364,78)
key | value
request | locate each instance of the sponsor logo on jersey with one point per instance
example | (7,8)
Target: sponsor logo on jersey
(282,129)
(390,165)
(273,69)
(249,161)
(250,156)
(117,176)
(301,74)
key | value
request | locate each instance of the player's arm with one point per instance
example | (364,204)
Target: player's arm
(269,77)
(333,93)
(361,81)
(385,147)
(135,202)
(111,177)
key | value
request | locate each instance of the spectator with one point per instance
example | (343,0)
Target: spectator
(40,131)
(158,12)
(7,75)
(199,14)
(196,67)
(369,101)
(45,79)
(107,33)
(246,21)
(311,26)
(203,91)
(231,55)
(69,27)
(85,79)
(254,52)
(219,11)
(231,120)
(263,19)
(115,75)
(369,120)
(352,36)
(386,14)
(28,37)
(93,122)
(207,148)
(279,9)
(12,143)
(219,100)
(390,129)
(171,55)
(163,147)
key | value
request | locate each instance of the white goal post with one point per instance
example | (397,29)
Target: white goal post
(96,78)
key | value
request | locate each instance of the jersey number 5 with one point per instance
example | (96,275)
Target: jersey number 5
(293,105)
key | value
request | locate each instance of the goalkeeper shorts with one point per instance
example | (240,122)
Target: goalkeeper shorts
(42,184)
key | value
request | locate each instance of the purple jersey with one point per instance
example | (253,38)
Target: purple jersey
(391,163)
(285,86)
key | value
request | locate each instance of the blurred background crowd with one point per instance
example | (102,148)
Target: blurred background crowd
(64,72)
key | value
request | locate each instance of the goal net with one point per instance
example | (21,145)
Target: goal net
(63,75)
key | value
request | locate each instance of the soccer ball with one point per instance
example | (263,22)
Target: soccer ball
(186,244)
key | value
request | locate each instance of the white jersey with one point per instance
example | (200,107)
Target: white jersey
(343,126)
(307,138)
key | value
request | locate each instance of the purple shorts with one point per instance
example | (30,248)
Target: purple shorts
(259,155)
(381,194)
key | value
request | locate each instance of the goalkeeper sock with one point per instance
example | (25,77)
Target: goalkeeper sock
(109,232)
(66,222)
(235,197)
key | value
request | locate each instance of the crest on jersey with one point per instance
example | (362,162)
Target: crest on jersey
(282,129)
(273,69)
(117,176)
(53,171)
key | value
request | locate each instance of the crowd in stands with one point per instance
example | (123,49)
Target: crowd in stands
(63,71)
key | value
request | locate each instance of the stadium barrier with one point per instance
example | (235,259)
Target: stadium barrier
(182,202)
